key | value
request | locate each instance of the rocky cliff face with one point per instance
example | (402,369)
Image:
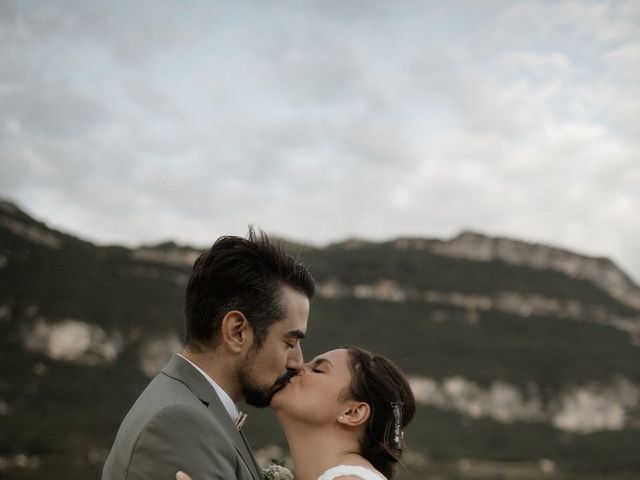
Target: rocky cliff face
(483,248)
(16,222)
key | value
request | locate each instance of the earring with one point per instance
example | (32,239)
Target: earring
(341,417)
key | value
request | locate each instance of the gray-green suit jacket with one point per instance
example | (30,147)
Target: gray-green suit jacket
(179,423)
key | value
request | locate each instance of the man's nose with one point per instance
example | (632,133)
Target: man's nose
(296,360)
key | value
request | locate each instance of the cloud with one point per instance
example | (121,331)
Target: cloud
(325,120)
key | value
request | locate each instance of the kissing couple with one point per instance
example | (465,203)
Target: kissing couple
(246,311)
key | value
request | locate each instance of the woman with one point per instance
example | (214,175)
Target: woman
(344,415)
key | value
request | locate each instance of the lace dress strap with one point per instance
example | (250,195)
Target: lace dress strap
(353,470)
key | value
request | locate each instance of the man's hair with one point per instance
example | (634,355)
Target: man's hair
(244,274)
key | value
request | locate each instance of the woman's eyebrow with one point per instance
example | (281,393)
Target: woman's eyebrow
(319,360)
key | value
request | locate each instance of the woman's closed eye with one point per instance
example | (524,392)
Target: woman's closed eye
(320,365)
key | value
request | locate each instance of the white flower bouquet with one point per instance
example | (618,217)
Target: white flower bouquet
(277,472)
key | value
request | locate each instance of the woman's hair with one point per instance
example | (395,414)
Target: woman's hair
(377,381)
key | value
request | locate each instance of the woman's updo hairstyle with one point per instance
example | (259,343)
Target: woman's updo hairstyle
(377,381)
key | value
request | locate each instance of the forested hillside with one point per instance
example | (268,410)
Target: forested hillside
(525,358)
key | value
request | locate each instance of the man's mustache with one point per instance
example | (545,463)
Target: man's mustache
(284,379)
(281,382)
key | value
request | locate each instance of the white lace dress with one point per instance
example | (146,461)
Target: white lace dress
(350,470)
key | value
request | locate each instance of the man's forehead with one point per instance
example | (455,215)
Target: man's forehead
(289,327)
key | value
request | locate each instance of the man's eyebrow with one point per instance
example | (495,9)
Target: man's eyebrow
(296,334)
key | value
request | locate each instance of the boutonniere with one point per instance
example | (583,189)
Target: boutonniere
(277,472)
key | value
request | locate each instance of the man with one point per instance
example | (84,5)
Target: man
(246,311)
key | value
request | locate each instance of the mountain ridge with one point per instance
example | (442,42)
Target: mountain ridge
(468,244)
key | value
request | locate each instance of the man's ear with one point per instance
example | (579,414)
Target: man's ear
(236,333)
(355,414)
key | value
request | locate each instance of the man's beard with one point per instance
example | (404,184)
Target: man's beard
(257,395)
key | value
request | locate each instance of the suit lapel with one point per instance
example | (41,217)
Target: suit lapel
(256,467)
(232,431)
(183,371)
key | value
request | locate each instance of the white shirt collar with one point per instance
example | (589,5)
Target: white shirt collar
(228,404)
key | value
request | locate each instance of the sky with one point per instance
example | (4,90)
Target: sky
(140,122)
